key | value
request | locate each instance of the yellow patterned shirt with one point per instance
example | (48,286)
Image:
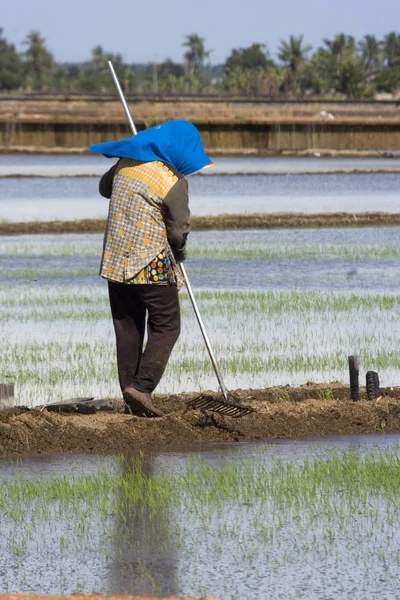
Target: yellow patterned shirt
(143,222)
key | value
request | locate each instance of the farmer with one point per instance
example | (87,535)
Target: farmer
(147,228)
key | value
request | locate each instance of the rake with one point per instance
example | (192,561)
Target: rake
(229,405)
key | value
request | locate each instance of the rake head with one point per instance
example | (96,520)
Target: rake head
(223,407)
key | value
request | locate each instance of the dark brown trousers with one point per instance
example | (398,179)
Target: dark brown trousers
(130,304)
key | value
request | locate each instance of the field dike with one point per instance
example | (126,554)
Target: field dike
(220,222)
(281,412)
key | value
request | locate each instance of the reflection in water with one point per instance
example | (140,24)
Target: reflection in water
(144,558)
(304,533)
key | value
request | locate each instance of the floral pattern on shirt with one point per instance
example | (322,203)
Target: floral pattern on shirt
(160,271)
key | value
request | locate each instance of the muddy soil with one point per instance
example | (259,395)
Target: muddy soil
(280,412)
(221,222)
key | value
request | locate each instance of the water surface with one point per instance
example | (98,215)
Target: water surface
(30,199)
(72,166)
(239,549)
(310,298)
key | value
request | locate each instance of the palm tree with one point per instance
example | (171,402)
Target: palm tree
(343,65)
(39,60)
(342,47)
(292,54)
(370,50)
(98,57)
(391,49)
(195,54)
(11,68)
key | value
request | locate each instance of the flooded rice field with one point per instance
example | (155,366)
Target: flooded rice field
(282,519)
(39,199)
(315,519)
(40,165)
(282,307)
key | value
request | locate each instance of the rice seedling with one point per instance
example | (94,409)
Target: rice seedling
(325,394)
(57,338)
(304,321)
(256,245)
(249,509)
(243,251)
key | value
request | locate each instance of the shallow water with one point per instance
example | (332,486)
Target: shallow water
(57,332)
(72,166)
(239,550)
(236,550)
(33,465)
(29,199)
(346,260)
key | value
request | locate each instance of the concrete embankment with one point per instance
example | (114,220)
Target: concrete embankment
(218,138)
(227,127)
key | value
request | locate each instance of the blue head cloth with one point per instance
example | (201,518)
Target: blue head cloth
(176,143)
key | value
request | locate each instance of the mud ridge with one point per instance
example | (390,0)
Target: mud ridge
(221,222)
(280,412)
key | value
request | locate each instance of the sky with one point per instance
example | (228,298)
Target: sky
(153,30)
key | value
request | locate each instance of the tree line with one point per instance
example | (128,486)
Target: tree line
(341,65)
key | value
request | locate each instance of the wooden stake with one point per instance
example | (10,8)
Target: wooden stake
(354,368)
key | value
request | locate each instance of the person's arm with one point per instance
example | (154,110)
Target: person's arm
(176,218)
(105,185)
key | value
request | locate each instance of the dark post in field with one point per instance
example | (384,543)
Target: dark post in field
(354,368)
(372,385)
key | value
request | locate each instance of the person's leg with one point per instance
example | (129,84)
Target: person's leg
(129,319)
(163,329)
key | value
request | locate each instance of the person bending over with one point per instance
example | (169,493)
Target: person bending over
(145,239)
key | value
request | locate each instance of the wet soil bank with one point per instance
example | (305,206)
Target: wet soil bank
(221,222)
(280,412)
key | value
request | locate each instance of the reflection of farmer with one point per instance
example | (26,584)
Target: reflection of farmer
(144,556)
(147,227)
